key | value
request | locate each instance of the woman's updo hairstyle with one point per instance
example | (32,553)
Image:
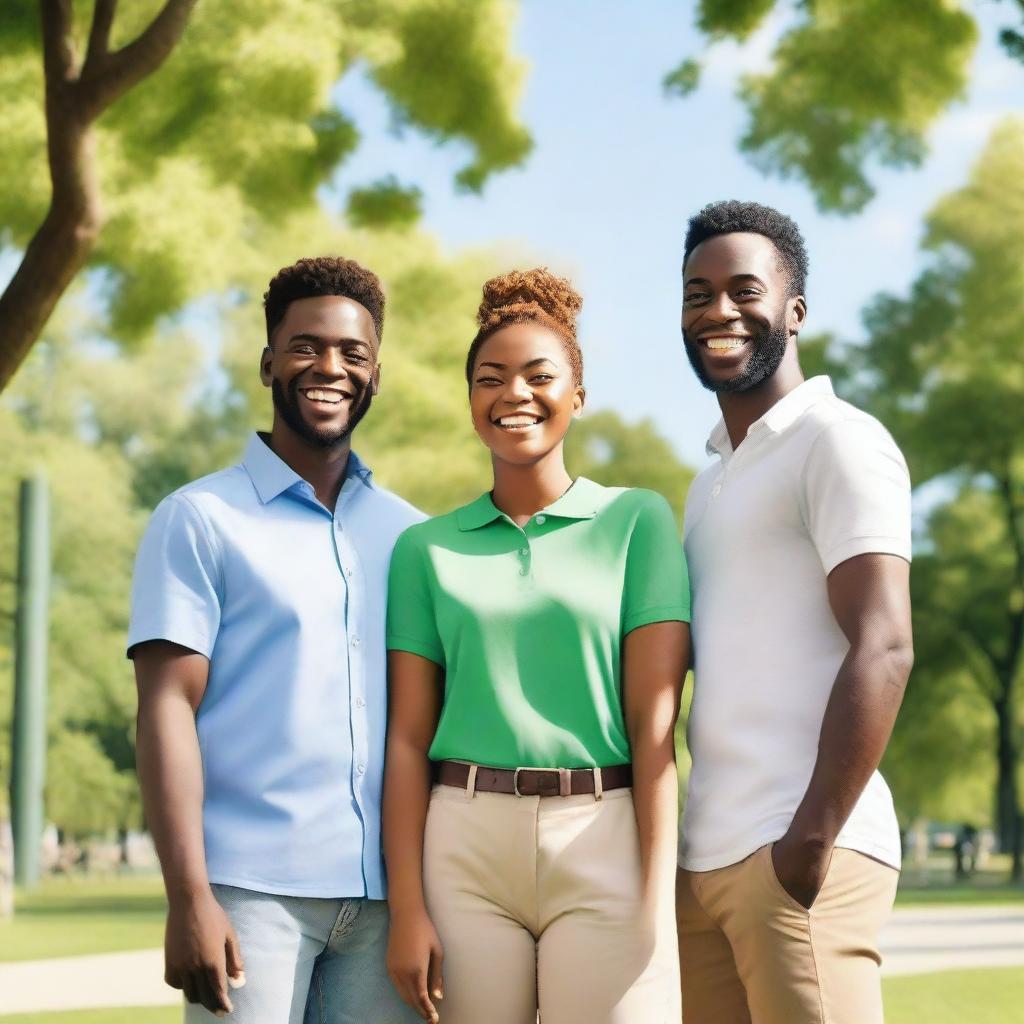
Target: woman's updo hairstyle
(529,296)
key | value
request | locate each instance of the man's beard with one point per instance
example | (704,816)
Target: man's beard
(767,349)
(287,404)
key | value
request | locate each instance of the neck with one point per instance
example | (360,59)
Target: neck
(521,491)
(743,408)
(322,468)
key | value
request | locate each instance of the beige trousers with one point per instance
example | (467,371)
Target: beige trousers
(750,954)
(537,903)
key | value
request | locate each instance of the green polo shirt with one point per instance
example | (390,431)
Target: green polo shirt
(528,622)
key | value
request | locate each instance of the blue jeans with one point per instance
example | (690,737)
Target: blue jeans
(309,961)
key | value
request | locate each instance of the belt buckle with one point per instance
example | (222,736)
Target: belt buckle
(564,779)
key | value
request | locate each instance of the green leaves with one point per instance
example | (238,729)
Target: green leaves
(852,82)
(240,128)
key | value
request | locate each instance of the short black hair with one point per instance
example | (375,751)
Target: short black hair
(323,275)
(731,215)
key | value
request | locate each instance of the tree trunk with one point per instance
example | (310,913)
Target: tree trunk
(76,94)
(1008,813)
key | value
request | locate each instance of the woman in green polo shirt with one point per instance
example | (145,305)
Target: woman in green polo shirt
(538,641)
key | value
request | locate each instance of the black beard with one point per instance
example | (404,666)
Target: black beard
(287,404)
(768,346)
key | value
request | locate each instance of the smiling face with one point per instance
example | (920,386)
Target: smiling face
(322,368)
(739,317)
(523,394)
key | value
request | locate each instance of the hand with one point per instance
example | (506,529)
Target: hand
(414,962)
(201,952)
(800,867)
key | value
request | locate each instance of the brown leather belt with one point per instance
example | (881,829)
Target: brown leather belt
(533,781)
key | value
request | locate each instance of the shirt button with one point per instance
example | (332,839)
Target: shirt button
(361,769)
(541,520)
(347,570)
(524,551)
(716,490)
(355,641)
(524,572)
(360,703)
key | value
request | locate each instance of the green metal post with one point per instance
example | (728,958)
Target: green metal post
(28,764)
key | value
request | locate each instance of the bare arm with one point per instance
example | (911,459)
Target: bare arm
(414,705)
(201,950)
(870,598)
(654,663)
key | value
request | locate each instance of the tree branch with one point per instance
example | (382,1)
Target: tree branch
(125,68)
(60,61)
(99,37)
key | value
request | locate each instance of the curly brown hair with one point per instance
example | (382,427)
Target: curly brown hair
(323,275)
(535,296)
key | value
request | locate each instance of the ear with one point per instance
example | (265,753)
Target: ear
(579,399)
(265,360)
(796,314)
(375,381)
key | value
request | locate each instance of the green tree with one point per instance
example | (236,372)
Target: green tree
(851,81)
(942,370)
(146,141)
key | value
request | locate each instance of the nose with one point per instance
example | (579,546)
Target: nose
(330,364)
(518,391)
(721,309)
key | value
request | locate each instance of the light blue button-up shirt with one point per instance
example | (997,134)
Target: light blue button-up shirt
(287,600)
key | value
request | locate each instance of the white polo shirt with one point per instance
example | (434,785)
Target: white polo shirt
(814,482)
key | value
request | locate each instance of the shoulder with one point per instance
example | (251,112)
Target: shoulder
(201,499)
(836,428)
(401,512)
(226,486)
(424,530)
(633,506)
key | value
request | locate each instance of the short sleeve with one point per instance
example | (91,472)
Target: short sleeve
(856,494)
(175,587)
(656,587)
(412,620)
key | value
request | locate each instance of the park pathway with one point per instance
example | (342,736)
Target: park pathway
(916,941)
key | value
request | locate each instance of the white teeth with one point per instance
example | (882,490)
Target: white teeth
(723,344)
(518,421)
(322,395)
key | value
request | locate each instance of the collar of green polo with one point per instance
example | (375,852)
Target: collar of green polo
(579,502)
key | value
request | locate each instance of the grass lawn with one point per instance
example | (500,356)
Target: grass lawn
(988,996)
(128,1015)
(980,997)
(74,916)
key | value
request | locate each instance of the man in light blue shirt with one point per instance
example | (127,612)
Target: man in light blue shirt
(257,632)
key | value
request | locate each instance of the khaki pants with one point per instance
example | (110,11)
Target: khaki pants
(750,954)
(537,903)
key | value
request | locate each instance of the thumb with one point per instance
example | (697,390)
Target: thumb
(233,960)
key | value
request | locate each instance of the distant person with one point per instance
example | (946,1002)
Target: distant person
(798,542)
(257,631)
(538,641)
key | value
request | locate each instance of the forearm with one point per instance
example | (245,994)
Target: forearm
(406,796)
(656,803)
(171,778)
(855,730)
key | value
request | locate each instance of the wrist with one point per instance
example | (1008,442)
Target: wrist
(187,892)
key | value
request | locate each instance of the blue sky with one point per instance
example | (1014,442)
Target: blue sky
(618,168)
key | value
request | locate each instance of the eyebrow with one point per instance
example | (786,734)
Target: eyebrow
(735,277)
(320,340)
(526,366)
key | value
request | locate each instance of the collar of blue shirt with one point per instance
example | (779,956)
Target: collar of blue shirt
(272,476)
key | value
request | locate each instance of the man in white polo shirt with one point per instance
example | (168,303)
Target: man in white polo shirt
(798,542)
